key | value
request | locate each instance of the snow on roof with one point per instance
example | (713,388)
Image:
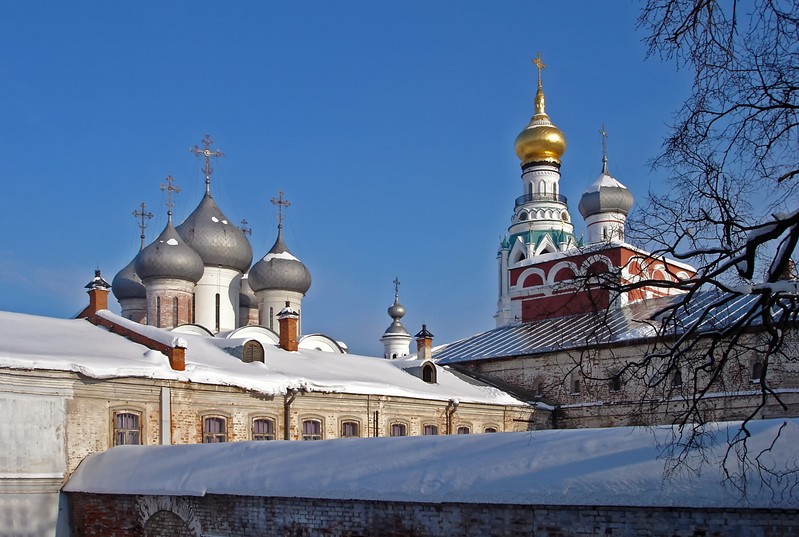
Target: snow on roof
(614,466)
(604,180)
(34,342)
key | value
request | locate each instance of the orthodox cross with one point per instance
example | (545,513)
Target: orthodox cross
(244,229)
(396,287)
(540,65)
(142,214)
(280,202)
(604,135)
(169,187)
(207,153)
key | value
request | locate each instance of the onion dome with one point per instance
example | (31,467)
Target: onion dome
(605,195)
(127,284)
(396,311)
(541,140)
(217,241)
(280,270)
(97,282)
(169,256)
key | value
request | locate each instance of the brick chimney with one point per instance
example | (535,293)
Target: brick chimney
(424,344)
(288,317)
(98,295)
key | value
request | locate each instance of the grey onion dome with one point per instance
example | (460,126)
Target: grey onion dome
(396,328)
(396,311)
(247,297)
(605,195)
(279,270)
(127,284)
(217,241)
(169,256)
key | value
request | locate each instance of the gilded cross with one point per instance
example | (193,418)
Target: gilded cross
(280,202)
(170,188)
(540,65)
(244,229)
(207,153)
(142,214)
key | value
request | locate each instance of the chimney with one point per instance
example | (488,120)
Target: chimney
(98,295)
(424,344)
(177,358)
(288,317)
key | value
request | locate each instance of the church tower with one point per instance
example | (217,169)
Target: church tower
(541,223)
(396,340)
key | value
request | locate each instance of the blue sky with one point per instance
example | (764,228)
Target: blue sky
(389,126)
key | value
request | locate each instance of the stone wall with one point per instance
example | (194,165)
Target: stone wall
(100,515)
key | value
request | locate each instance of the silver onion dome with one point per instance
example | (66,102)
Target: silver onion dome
(605,195)
(279,270)
(247,297)
(127,284)
(217,241)
(169,256)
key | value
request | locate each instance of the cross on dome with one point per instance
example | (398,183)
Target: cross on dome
(540,65)
(208,154)
(244,229)
(604,135)
(396,286)
(142,214)
(280,202)
(170,188)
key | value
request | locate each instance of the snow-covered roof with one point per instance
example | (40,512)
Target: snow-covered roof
(615,466)
(34,342)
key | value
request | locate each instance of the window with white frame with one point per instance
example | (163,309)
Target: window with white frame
(263,429)
(214,430)
(350,429)
(127,428)
(311,430)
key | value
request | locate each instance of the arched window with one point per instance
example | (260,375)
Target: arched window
(530,189)
(676,380)
(615,383)
(398,429)
(311,430)
(214,430)
(217,312)
(158,311)
(263,429)
(253,352)
(490,429)
(174,312)
(127,428)
(271,318)
(429,373)
(464,429)
(350,429)
(193,309)
(575,385)
(430,430)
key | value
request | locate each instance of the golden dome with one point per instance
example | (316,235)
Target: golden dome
(540,140)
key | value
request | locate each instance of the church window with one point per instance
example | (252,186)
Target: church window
(158,311)
(616,383)
(430,430)
(429,373)
(530,189)
(350,429)
(542,188)
(253,352)
(575,386)
(394,356)
(271,318)
(676,380)
(217,312)
(174,312)
(311,430)
(127,428)
(193,309)
(464,429)
(490,429)
(398,429)
(539,389)
(214,430)
(263,429)
(757,370)
(523,215)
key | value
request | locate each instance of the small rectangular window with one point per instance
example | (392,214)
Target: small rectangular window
(398,429)
(214,430)
(263,429)
(350,429)
(311,430)
(127,429)
(430,430)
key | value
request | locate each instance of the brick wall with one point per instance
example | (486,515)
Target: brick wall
(245,515)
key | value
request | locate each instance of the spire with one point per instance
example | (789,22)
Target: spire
(170,188)
(142,214)
(540,100)
(208,154)
(604,135)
